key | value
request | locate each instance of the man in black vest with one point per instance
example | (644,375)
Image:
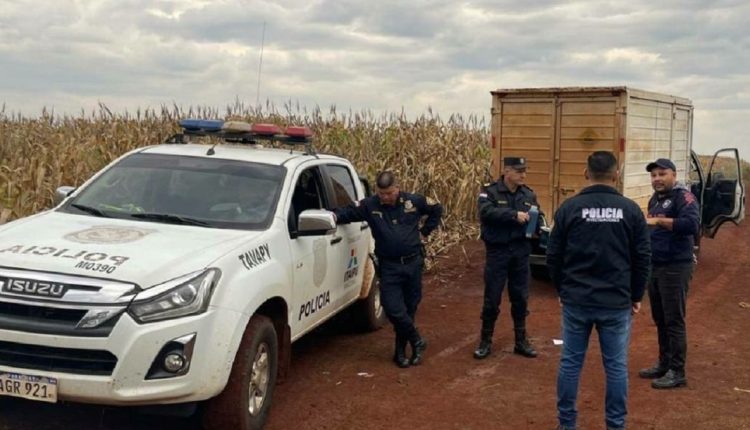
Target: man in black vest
(395,218)
(503,213)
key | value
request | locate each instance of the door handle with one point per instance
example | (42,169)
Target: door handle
(336,240)
(364,226)
(565,191)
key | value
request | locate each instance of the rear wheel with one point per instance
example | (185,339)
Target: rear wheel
(368,312)
(246,399)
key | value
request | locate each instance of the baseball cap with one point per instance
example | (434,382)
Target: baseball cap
(664,163)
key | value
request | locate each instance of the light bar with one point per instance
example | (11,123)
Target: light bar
(201,124)
(265,129)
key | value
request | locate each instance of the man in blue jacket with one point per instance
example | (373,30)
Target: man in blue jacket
(395,218)
(598,255)
(673,214)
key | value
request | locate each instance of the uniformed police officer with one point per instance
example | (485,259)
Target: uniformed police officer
(503,214)
(395,217)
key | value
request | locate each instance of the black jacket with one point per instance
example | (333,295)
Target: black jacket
(395,228)
(498,208)
(599,250)
(675,246)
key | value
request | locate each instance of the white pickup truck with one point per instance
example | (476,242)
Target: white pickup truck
(181,273)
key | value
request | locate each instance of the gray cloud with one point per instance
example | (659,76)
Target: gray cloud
(384,55)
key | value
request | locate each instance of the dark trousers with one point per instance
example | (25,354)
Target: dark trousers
(667,291)
(506,263)
(400,294)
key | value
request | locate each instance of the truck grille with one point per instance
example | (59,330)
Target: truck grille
(64,360)
(58,304)
(48,320)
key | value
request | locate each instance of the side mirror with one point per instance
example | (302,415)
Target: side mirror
(61,193)
(316,222)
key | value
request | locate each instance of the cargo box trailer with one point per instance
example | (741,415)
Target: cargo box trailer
(556,129)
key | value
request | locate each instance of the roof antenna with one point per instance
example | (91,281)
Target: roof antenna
(211,149)
(260,66)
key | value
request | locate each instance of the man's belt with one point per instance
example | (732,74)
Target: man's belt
(404,259)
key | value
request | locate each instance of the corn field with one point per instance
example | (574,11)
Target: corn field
(444,159)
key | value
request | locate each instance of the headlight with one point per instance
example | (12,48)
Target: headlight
(186,295)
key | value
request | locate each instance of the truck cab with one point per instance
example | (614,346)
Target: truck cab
(720,190)
(181,273)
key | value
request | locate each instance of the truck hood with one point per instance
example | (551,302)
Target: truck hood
(144,253)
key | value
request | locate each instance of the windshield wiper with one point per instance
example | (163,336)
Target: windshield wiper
(170,218)
(90,209)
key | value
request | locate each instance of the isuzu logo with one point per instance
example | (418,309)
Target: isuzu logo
(33,288)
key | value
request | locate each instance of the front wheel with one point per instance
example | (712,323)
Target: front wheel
(368,312)
(246,399)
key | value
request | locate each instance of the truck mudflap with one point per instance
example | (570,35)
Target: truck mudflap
(370,273)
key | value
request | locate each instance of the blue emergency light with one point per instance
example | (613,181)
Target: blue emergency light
(205,125)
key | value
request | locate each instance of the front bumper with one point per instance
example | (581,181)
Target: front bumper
(136,346)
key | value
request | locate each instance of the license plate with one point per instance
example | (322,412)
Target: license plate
(29,387)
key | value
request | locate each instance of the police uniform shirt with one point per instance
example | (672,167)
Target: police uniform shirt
(395,227)
(498,209)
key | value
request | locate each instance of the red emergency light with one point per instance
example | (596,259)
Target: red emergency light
(265,129)
(298,132)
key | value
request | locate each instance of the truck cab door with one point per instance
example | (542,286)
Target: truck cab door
(723,195)
(312,298)
(352,255)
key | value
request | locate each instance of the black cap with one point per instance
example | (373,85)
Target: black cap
(518,163)
(664,163)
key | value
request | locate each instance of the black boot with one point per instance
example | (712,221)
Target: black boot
(522,346)
(418,346)
(399,355)
(671,379)
(485,343)
(654,372)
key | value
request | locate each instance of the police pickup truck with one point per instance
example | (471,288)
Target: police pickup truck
(181,273)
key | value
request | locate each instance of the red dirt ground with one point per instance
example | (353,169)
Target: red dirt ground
(343,380)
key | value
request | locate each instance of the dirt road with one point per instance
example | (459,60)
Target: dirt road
(342,380)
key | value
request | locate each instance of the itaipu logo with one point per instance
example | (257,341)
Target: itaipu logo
(353,267)
(108,234)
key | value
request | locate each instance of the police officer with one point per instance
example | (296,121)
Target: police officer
(394,217)
(673,214)
(598,256)
(503,214)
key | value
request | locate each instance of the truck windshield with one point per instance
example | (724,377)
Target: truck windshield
(175,189)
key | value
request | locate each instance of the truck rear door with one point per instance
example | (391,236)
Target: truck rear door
(584,125)
(723,195)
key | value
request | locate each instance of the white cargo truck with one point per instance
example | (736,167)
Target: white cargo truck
(556,129)
(181,273)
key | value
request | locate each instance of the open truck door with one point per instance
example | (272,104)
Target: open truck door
(720,191)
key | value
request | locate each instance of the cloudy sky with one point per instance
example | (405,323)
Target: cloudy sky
(382,55)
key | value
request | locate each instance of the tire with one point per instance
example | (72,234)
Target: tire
(368,313)
(254,370)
